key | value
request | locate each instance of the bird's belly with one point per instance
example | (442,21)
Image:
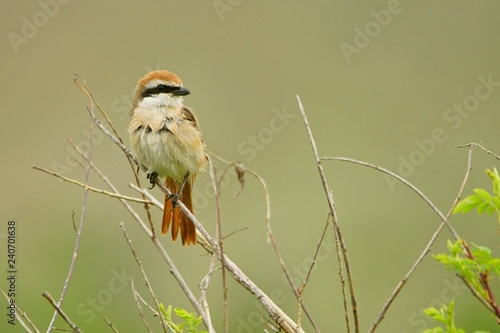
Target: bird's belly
(170,155)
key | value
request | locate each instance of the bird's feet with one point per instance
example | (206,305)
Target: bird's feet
(152,176)
(175,197)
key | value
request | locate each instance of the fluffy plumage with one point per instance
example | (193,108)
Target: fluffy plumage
(165,137)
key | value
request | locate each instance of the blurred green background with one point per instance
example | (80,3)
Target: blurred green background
(376,78)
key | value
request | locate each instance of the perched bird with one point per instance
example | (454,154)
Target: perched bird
(165,137)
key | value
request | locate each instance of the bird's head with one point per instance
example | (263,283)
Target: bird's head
(159,87)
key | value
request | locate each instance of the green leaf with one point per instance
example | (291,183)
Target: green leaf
(166,313)
(483,194)
(435,314)
(491,209)
(496,180)
(478,249)
(180,312)
(482,206)
(467,204)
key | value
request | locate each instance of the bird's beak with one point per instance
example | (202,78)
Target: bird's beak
(181,92)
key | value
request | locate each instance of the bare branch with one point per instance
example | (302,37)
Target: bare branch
(92,189)
(155,202)
(343,253)
(115,330)
(404,181)
(20,315)
(215,185)
(472,144)
(146,280)
(242,170)
(49,298)
(427,248)
(303,286)
(78,234)
(204,284)
(139,307)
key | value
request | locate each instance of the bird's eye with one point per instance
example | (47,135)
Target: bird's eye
(159,89)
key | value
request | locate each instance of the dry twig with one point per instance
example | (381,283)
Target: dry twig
(115,330)
(21,316)
(427,248)
(139,307)
(145,277)
(342,255)
(77,237)
(215,185)
(49,298)
(241,170)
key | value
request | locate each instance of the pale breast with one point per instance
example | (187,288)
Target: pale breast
(166,142)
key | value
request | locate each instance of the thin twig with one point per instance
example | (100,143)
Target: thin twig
(92,189)
(308,275)
(162,251)
(490,300)
(110,324)
(78,234)
(205,283)
(427,248)
(155,202)
(215,185)
(58,309)
(153,310)
(145,277)
(404,181)
(185,288)
(476,294)
(20,315)
(270,233)
(340,255)
(139,307)
(472,144)
(82,85)
(173,269)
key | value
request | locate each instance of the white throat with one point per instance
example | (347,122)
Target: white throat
(160,100)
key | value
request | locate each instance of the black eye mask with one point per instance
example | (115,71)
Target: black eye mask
(164,89)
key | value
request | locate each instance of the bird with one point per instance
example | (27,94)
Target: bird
(165,137)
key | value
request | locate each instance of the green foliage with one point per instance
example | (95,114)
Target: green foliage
(190,324)
(444,315)
(470,268)
(473,263)
(482,199)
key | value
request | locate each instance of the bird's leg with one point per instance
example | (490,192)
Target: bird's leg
(176,196)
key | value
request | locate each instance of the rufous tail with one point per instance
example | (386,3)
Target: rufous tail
(173,215)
